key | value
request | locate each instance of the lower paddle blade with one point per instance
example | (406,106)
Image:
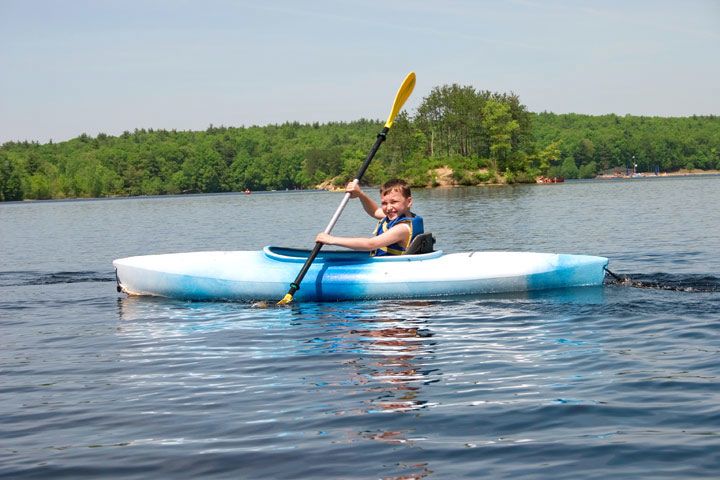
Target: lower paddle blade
(286,299)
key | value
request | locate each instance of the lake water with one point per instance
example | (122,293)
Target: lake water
(620,381)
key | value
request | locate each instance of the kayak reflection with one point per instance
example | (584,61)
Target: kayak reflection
(394,364)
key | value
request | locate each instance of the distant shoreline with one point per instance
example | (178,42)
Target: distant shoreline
(680,173)
(444,179)
(445,183)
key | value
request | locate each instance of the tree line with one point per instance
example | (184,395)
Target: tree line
(482,136)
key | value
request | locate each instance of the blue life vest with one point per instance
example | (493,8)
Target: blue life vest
(415,222)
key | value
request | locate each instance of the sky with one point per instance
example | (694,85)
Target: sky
(69,67)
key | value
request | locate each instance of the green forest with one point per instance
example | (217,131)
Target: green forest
(483,137)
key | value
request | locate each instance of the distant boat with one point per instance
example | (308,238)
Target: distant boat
(542,179)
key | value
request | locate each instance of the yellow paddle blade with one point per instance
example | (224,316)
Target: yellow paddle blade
(286,299)
(402,95)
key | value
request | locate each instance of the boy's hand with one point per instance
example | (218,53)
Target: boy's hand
(353,189)
(324,238)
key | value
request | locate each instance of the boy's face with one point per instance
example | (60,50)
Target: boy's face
(394,204)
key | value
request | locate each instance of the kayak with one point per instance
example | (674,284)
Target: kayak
(349,275)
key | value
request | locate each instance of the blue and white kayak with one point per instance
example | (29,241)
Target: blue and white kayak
(349,275)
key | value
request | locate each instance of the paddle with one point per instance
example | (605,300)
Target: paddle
(402,95)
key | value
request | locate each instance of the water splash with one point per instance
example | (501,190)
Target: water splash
(695,283)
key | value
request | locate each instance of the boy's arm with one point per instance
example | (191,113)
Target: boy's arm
(371,208)
(398,233)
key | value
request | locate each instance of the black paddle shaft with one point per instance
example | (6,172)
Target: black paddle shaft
(295,286)
(381,137)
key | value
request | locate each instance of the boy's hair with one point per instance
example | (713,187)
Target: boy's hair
(396,184)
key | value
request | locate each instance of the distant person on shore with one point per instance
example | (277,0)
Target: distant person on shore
(397,225)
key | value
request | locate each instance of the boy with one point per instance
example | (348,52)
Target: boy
(397,226)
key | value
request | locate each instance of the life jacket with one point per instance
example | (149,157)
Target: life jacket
(415,222)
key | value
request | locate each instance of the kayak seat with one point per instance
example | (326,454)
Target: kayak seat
(423,243)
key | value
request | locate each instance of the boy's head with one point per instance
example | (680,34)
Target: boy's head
(395,198)
(396,184)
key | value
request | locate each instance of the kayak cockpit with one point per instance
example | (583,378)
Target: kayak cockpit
(284,254)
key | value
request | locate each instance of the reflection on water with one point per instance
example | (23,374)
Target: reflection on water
(388,357)
(321,363)
(352,359)
(394,364)
(160,317)
(363,361)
